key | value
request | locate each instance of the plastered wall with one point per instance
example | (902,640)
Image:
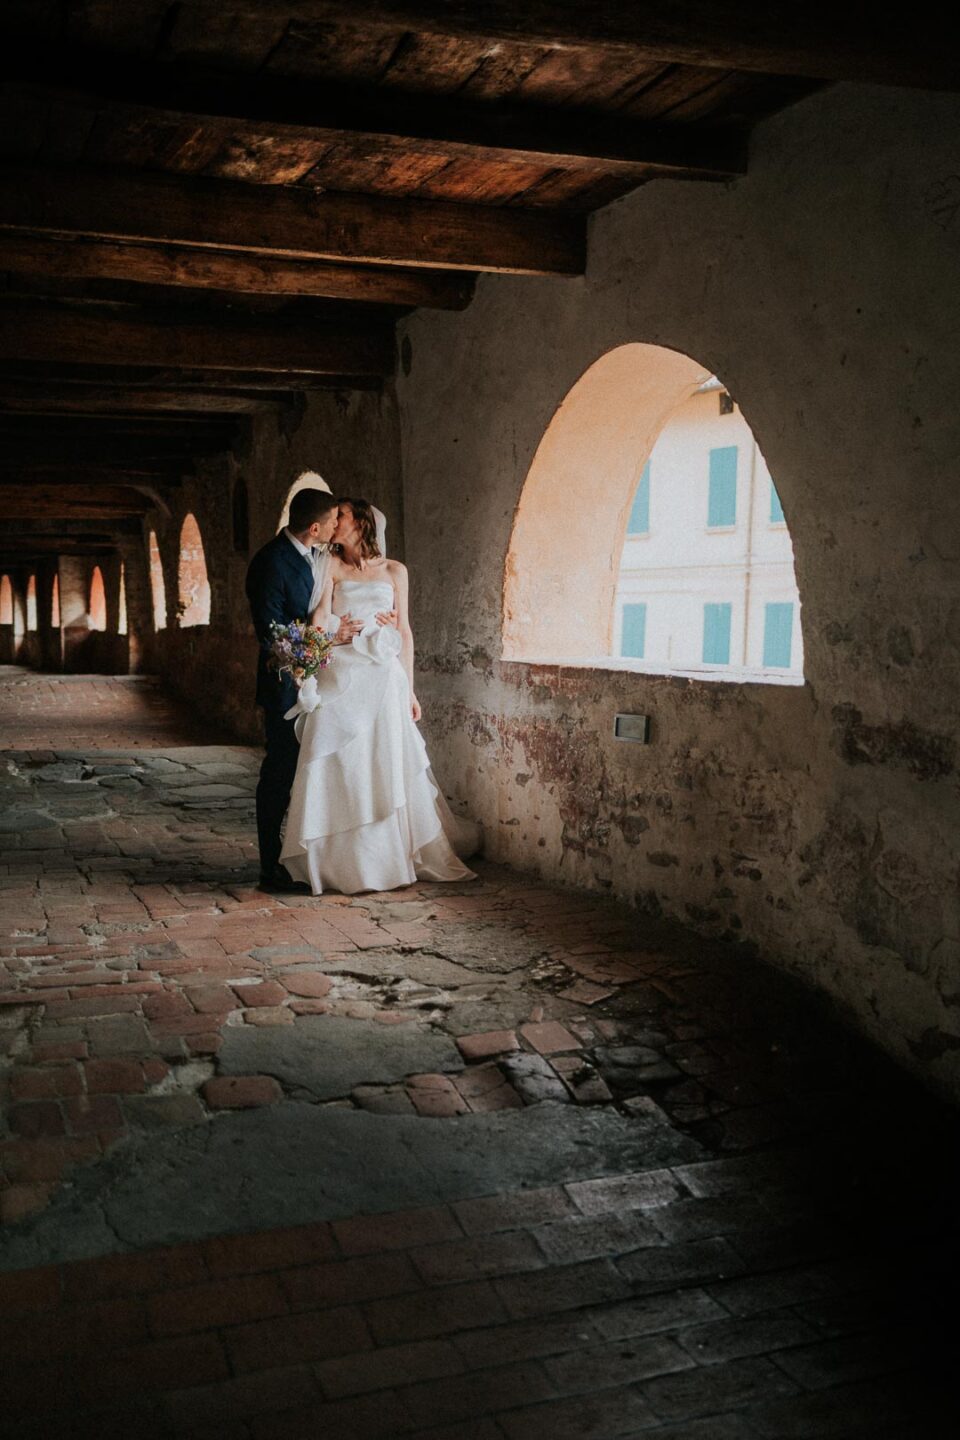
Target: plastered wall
(819,823)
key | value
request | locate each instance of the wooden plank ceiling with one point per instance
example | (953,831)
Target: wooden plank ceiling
(209,207)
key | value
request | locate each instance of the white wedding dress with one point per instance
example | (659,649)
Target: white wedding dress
(365,811)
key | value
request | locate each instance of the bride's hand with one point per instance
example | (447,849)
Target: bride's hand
(387,617)
(415,709)
(348,628)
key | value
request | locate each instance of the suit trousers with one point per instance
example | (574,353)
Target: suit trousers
(274,786)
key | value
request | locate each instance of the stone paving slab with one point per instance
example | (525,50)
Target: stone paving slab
(297,1162)
(326,1056)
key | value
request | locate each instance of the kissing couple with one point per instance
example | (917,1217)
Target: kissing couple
(345,762)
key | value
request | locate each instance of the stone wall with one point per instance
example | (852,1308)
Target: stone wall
(350,439)
(821,823)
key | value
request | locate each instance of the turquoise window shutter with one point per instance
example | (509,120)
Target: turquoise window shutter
(716,634)
(777,635)
(639,522)
(722,502)
(634,634)
(777,516)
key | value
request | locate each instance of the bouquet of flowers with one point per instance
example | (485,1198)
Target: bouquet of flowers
(299,650)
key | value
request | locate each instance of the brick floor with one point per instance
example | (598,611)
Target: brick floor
(761,1289)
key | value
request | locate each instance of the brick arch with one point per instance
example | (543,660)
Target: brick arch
(97,605)
(193,603)
(55,602)
(6,600)
(158,589)
(32,603)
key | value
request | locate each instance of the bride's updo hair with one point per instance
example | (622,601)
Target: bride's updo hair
(362,512)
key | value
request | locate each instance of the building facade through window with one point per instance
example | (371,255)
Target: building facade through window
(706,582)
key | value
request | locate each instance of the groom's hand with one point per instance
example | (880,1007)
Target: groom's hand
(387,617)
(348,628)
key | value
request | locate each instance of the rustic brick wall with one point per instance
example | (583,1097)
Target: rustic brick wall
(818,823)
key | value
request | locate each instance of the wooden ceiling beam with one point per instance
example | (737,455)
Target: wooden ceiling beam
(61,398)
(68,502)
(332,114)
(87,473)
(231,271)
(84,335)
(39,451)
(837,42)
(186,380)
(55,532)
(174,434)
(287,221)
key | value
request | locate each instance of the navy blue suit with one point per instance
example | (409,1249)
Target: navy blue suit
(279,587)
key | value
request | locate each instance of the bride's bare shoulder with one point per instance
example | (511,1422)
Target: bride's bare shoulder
(394,568)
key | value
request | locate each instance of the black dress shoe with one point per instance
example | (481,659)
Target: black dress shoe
(280,882)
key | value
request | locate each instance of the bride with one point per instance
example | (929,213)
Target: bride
(365,811)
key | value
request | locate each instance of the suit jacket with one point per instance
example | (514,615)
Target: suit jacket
(279,587)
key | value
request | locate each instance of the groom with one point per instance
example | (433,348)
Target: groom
(280,586)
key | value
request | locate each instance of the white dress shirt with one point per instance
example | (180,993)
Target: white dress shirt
(315,559)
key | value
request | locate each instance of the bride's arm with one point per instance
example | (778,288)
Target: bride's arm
(401,590)
(321,615)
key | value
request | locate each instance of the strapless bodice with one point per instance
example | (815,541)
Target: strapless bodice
(362,598)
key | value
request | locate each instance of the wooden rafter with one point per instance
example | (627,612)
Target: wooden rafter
(281,220)
(232,271)
(86,335)
(836,42)
(56,397)
(290,109)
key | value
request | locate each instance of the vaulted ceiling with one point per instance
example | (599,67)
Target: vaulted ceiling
(207,207)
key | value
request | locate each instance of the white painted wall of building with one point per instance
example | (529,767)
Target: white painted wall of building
(683,563)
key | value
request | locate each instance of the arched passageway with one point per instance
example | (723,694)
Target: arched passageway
(553,1161)
(193,601)
(122,621)
(97,605)
(55,601)
(158,590)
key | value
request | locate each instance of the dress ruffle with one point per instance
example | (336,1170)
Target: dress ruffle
(365,812)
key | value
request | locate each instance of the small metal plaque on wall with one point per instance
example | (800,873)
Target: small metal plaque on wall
(632,727)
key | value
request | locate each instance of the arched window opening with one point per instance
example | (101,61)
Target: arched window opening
(194,599)
(97,608)
(241,517)
(307,480)
(55,603)
(685,564)
(32,603)
(6,601)
(122,614)
(157,587)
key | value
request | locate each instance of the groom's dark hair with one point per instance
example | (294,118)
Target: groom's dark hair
(308,506)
